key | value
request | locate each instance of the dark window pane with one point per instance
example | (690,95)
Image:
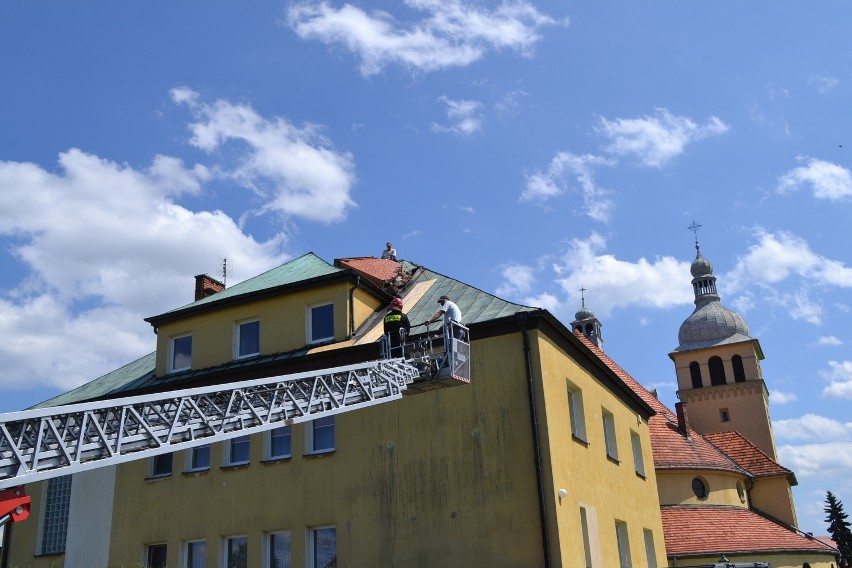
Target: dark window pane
(249,339)
(322,322)
(162,465)
(240,450)
(182,352)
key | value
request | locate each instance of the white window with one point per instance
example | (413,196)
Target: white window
(247,339)
(57,504)
(160,466)
(278,443)
(195,554)
(155,556)
(320,435)
(198,458)
(609,434)
(277,550)
(650,553)
(238,451)
(623,545)
(235,549)
(321,323)
(322,547)
(180,353)
(638,460)
(576,414)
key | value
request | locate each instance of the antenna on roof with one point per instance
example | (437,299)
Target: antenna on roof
(225,263)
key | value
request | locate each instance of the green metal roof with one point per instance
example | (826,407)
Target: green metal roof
(113,383)
(304,268)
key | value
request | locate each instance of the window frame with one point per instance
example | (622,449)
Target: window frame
(310,323)
(310,436)
(190,545)
(149,548)
(191,455)
(172,353)
(154,463)
(238,335)
(622,540)
(268,549)
(610,440)
(226,550)
(229,451)
(638,458)
(311,549)
(268,443)
(577,413)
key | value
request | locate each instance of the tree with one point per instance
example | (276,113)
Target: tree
(838,526)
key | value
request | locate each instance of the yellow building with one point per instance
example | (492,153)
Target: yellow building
(544,459)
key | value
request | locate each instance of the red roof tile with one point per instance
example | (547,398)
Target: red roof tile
(378,270)
(747,455)
(708,529)
(670,447)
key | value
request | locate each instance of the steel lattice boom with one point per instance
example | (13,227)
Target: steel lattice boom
(44,443)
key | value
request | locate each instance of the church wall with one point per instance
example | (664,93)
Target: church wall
(675,487)
(774,496)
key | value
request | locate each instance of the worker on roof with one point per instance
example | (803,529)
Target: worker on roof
(451,314)
(389,253)
(397,327)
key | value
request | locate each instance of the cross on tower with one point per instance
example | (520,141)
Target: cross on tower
(582,297)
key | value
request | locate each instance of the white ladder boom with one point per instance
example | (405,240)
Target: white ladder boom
(61,440)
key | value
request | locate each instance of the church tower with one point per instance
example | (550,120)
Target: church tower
(719,379)
(586,323)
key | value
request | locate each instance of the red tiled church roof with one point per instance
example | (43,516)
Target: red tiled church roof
(670,447)
(748,456)
(692,530)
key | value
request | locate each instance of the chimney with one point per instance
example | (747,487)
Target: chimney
(206,286)
(682,419)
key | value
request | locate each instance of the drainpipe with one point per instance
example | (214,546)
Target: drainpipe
(352,305)
(545,540)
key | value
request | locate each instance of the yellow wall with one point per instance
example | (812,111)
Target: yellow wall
(283,324)
(613,490)
(773,495)
(675,488)
(775,560)
(443,478)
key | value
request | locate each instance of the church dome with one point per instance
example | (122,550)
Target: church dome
(711,324)
(701,267)
(584,313)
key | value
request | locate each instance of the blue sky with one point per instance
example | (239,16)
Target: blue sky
(527,148)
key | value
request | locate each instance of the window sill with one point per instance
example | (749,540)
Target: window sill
(277,459)
(641,476)
(153,478)
(196,472)
(580,440)
(616,461)
(234,466)
(318,454)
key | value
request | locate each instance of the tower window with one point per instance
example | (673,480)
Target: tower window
(739,370)
(724,415)
(695,375)
(717,371)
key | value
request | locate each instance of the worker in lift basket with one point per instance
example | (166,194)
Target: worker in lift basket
(397,327)
(451,313)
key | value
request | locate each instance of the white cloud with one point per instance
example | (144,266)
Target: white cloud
(779,397)
(824,83)
(831,459)
(829,340)
(614,283)
(544,185)
(655,140)
(463,116)
(108,246)
(452,33)
(518,280)
(812,427)
(781,256)
(826,179)
(840,374)
(295,170)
